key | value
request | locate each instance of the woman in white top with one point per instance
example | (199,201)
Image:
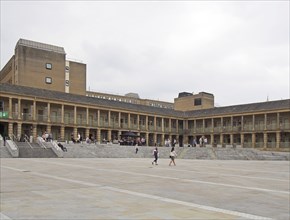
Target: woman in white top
(172,156)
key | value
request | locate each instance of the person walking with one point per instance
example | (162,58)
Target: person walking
(156,155)
(172,156)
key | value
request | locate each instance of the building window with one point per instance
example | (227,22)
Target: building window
(197,101)
(48,80)
(48,66)
(1,106)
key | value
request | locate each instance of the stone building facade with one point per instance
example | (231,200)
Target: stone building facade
(28,108)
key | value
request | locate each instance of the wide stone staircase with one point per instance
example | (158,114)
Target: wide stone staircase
(82,150)
(33,150)
(206,153)
(4,152)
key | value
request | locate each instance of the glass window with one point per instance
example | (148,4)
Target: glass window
(197,101)
(1,106)
(48,80)
(48,66)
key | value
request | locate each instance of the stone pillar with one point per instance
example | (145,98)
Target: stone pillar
(278,139)
(10,129)
(221,139)
(48,129)
(87,133)
(75,115)
(154,124)
(147,138)
(162,140)
(119,118)
(62,114)
(129,121)
(185,139)
(242,123)
(154,138)
(10,109)
(170,126)
(211,139)
(87,117)
(99,122)
(194,126)
(265,140)
(231,139)
(138,122)
(253,140)
(99,135)
(278,120)
(34,111)
(62,129)
(109,135)
(265,122)
(162,127)
(19,130)
(177,126)
(146,124)
(48,112)
(212,125)
(19,110)
(203,125)
(254,124)
(75,132)
(242,140)
(34,132)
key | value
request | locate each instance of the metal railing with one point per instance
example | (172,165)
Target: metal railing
(40,142)
(26,139)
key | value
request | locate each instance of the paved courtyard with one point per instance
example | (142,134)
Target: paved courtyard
(104,188)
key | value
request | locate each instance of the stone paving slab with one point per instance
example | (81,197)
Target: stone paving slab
(120,188)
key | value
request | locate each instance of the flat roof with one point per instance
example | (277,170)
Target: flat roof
(38,45)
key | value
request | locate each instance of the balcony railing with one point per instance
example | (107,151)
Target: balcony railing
(115,125)
(173,130)
(207,129)
(26,117)
(271,144)
(284,125)
(285,144)
(41,118)
(259,127)
(143,127)
(15,115)
(198,129)
(259,144)
(124,125)
(55,119)
(272,126)
(69,120)
(151,128)
(134,126)
(217,129)
(248,127)
(227,128)
(247,144)
(104,123)
(81,121)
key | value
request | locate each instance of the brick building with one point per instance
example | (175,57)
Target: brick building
(42,91)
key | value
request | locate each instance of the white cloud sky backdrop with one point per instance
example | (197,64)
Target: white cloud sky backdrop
(239,51)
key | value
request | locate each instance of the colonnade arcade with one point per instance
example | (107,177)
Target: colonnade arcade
(33,116)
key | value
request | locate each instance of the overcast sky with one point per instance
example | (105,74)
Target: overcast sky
(239,51)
